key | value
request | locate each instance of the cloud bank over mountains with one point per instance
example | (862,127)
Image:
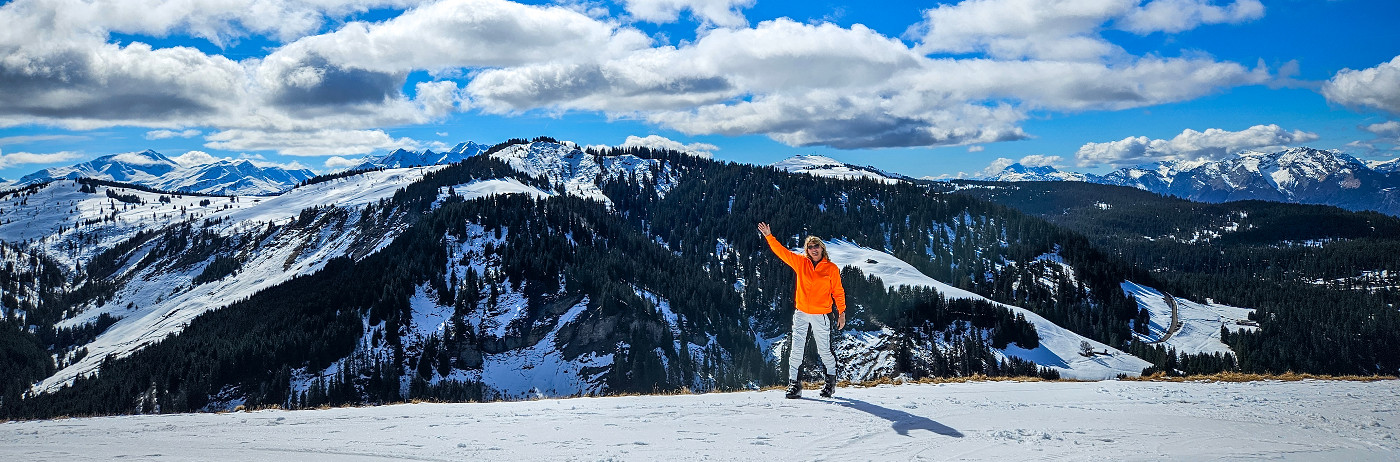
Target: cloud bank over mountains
(1190,145)
(967,73)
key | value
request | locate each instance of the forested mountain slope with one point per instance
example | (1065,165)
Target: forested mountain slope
(1323,280)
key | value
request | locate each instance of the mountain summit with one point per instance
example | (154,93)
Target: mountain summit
(1019,172)
(831,168)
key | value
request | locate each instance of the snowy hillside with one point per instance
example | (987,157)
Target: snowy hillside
(162,298)
(59,215)
(348,193)
(70,225)
(979,421)
(1059,348)
(831,168)
(1199,324)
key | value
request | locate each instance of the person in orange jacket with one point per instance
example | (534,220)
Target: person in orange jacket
(818,285)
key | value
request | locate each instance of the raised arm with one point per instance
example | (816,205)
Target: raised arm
(791,258)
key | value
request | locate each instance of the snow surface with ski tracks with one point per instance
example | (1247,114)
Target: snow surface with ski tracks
(999,421)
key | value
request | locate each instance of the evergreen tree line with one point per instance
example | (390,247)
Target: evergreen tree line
(1172,363)
(29,283)
(91,183)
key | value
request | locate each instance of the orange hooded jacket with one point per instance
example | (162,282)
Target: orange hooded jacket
(817,284)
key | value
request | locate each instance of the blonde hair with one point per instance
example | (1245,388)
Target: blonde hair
(818,240)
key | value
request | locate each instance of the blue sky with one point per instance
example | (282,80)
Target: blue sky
(920,88)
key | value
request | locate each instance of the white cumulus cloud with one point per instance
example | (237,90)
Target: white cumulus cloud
(339,163)
(1389,129)
(464,34)
(1181,15)
(1387,133)
(192,158)
(166,134)
(1062,29)
(806,84)
(25,158)
(1375,88)
(1012,29)
(800,84)
(704,150)
(1211,144)
(310,143)
(1040,160)
(724,13)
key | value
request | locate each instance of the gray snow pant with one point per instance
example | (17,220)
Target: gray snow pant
(820,325)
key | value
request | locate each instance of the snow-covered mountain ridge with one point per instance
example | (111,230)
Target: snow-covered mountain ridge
(1297,175)
(400,158)
(831,168)
(154,170)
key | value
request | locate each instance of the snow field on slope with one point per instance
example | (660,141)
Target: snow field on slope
(577,170)
(1200,323)
(977,421)
(166,302)
(1059,347)
(488,188)
(351,193)
(61,204)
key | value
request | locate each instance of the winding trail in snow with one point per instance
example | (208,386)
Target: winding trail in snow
(1176,320)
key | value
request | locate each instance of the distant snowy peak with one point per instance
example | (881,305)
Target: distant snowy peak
(152,169)
(1156,176)
(831,168)
(401,158)
(235,177)
(1019,172)
(1297,175)
(131,167)
(1385,166)
(1294,175)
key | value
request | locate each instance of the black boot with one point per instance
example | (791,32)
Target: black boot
(794,390)
(830,387)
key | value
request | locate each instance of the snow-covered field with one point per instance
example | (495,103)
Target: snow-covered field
(1001,421)
(1200,323)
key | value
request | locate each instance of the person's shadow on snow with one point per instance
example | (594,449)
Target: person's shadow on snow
(902,422)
